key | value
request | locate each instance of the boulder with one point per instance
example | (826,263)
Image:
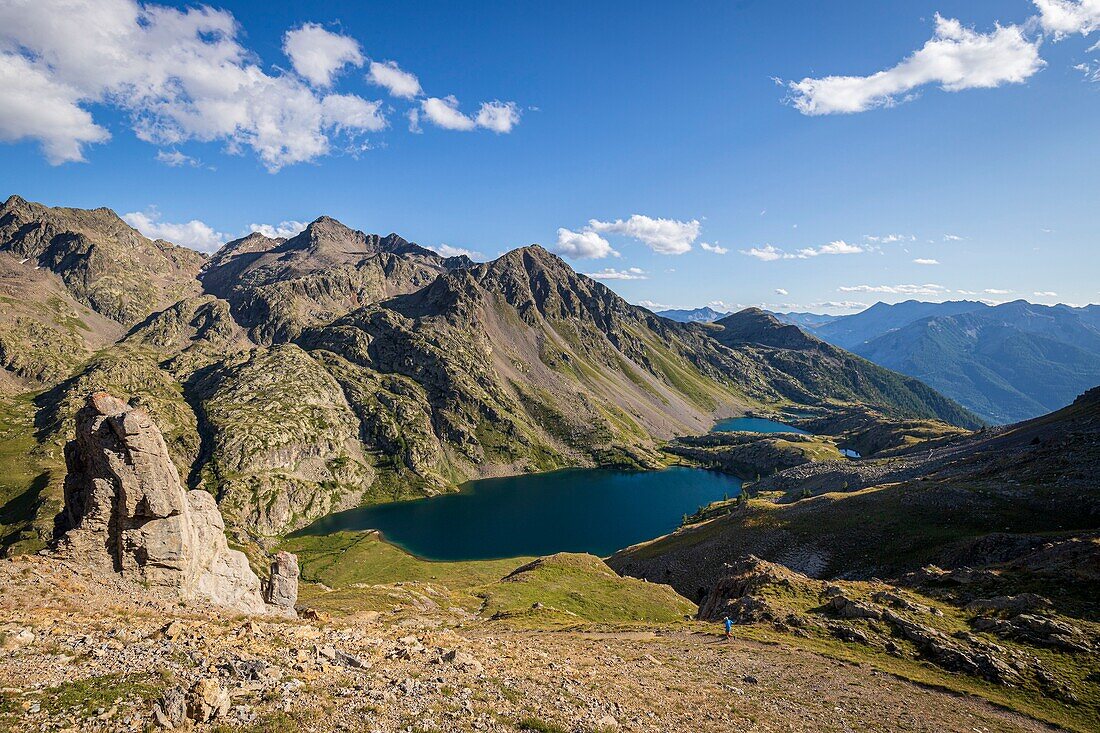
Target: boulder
(281,588)
(207,701)
(846,607)
(126,511)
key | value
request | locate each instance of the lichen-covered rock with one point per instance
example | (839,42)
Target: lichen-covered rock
(127,512)
(281,588)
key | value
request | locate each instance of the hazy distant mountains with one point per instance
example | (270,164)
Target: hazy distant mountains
(1006,363)
(695,315)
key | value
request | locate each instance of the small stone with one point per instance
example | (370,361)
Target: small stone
(463,661)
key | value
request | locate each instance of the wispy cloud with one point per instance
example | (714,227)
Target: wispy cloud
(889,238)
(708,247)
(633,273)
(767,253)
(282,230)
(770,253)
(926,289)
(839,247)
(925,261)
(176,159)
(447,250)
(956,58)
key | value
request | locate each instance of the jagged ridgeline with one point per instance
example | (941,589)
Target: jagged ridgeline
(296,377)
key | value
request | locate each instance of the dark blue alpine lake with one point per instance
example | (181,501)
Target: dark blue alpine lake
(594,510)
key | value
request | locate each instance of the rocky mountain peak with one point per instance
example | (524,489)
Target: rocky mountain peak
(756,326)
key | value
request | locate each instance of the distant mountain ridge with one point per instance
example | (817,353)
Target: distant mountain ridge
(848,332)
(1006,363)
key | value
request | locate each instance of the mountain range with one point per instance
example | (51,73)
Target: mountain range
(295,377)
(1006,363)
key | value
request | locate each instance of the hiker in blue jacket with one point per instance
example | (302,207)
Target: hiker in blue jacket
(729,628)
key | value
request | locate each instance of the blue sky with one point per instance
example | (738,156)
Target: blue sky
(818,196)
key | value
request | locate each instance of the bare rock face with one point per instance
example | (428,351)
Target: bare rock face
(282,587)
(126,511)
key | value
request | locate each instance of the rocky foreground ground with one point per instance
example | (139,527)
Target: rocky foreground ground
(84,653)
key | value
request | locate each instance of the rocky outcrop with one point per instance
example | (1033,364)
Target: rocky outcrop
(751,455)
(281,588)
(127,512)
(741,593)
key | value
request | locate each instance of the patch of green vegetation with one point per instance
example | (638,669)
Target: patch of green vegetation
(539,725)
(569,589)
(343,559)
(87,695)
(30,491)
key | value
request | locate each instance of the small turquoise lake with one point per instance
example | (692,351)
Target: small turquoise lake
(754,425)
(594,510)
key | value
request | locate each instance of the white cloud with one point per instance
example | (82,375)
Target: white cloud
(781,291)
(633,273)
(317,54)
(996,291)
(176,159)
(840,305)
(349,112)
(927,289)
(952,238)
(1091,73)
(282,230)
(1066,17)
(839,247)
(663,236)
(398,82)
(444,113)
(767,253)
(956,58)
(770,253)
(582,245)
(177,74)
(653,306)
(500,117)
(35,105)
(889,238)
(447,250)
(194,234)
(708,247)
(1045,294)
(925,261)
